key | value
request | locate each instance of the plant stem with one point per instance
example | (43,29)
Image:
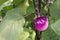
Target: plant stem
(48,12)
(28,14)
(37,10)
(35,7)
(39,5)
(38,35)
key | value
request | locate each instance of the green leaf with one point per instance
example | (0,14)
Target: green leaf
(32,36)
(12,25)
(49,34)
(56,27)
(30,9)
(22,4)
(55,10)
(55,13)
(14,14)
(24,35)
(29,28)
(1,2)
(30,17)
(8,8)
(17,3)
(23,7)
(5,4)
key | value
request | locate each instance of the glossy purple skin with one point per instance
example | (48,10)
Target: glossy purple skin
(41,23)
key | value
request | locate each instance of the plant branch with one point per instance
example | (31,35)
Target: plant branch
(28,15)
(38,35)
(37,10)
(48,12)
(39,5)
(35,7)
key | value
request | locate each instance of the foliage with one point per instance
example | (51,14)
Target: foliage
(17,20)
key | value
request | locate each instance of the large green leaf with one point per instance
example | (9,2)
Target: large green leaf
(12,25)
(49,34)
(55,13)
(56,27)
(55,10)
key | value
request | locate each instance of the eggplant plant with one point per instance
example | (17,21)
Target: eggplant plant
(29,19)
